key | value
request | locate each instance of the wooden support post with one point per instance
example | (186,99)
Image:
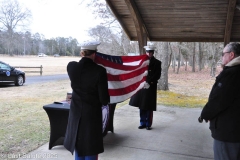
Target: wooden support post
(142,41)
(41,70)
(230,15)
(142,32)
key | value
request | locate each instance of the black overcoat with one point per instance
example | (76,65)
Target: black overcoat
(223,106)
(146,99)
(90,92)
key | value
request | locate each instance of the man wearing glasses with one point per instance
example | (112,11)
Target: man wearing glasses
(223,106)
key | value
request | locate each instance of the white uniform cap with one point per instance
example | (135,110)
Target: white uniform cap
(89,45)
(149,48)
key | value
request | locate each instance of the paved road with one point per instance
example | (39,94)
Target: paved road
(47,78)
(38,79)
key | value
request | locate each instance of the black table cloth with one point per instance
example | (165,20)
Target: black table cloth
(58,116)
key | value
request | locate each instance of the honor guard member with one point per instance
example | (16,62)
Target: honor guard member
(146,98)
(90,92)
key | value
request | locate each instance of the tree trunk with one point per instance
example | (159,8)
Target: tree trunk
(186,64)
(174,62)
(179,60)
(213,63)
(170,59)
(193,60)
(200,63)
(163,81)
(213,69)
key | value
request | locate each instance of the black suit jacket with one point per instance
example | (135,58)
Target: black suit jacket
(147,98)
(223,106)
(90,92)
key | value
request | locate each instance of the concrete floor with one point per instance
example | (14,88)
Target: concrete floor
(175,135)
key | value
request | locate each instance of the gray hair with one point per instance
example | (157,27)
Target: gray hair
(234,47)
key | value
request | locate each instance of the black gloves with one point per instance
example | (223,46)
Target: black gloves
(200,120)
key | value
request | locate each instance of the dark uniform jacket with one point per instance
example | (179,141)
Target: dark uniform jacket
(223,106)
(90,92)
(146,99)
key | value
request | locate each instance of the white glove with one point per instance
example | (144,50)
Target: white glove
(146,86)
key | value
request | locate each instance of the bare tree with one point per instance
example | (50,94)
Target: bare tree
(163,81)
(193,57)
(120,44)
(213,61)
(171,53)
(174,58)
(162,54)
(12,17)
(214,56)
(100,33)
(102,10)
(110,43)
(179,58)
(200,62)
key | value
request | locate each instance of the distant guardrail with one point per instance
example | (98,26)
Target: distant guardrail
(40,69)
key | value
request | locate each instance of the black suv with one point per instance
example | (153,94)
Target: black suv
(9,74)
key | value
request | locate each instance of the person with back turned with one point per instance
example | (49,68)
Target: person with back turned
(146,98)
(90,92)
(223,107)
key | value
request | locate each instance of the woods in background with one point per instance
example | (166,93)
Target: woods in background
(15,39)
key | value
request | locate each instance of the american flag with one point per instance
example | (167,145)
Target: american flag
(126,74)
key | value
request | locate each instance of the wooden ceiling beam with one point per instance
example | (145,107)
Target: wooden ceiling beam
(142,33)
(229,21)
(118,18)
(184,39)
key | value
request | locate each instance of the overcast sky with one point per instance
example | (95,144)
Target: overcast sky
(61,18)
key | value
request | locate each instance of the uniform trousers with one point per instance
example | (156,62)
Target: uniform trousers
(94,157)
(146,118)
(226,150)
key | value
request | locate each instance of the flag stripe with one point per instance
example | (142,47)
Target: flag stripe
(126,59)
(114,71)
(125,90)
(132,63)
(127,82)
(123,97)
(126,74)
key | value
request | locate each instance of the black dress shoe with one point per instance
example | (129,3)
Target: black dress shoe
(141,127)
(148,128)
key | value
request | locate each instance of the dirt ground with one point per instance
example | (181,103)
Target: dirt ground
(190,83)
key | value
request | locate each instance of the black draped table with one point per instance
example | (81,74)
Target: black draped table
(58,116)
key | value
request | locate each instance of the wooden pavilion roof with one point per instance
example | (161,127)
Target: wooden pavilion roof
(178,20)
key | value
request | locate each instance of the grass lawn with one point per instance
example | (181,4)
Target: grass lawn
(24,124)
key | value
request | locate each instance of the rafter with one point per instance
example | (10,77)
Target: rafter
(142,32)
(229,21)
(179,20)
